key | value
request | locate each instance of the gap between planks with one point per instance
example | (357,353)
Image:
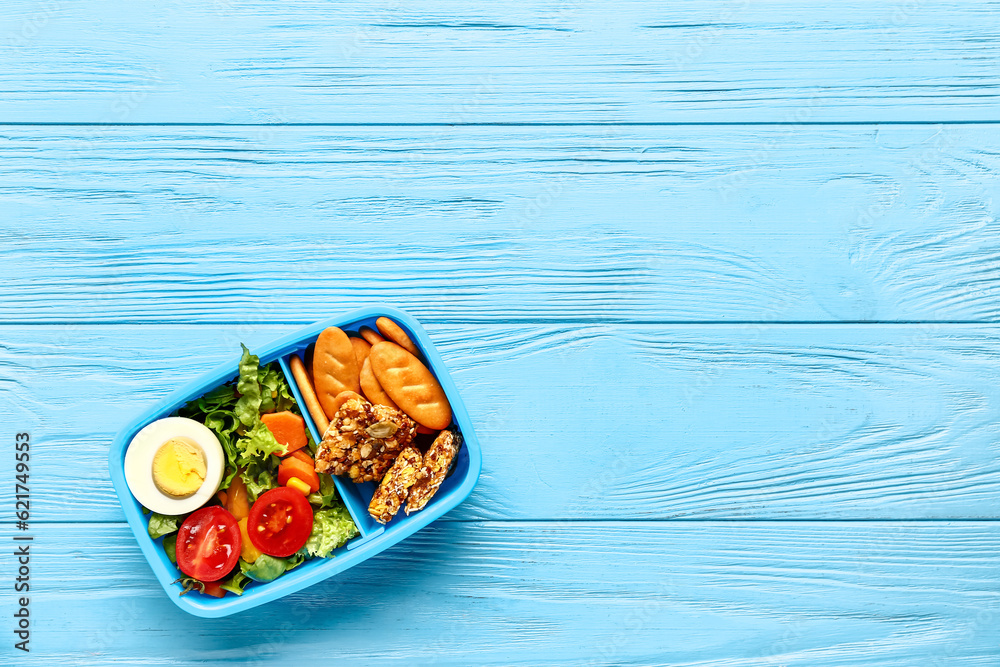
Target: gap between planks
(779,123)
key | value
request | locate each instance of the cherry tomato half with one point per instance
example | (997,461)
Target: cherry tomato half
(214,589)
(280,522)
(208,544)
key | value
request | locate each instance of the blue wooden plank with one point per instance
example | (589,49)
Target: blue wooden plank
(444,61)
(650,224)
(564,593)
(584,422)
(489,232)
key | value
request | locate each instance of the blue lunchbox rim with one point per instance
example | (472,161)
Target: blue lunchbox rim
(301,577)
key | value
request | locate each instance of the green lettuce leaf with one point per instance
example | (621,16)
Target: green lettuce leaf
(162,524)
(327,494)
(284,399)
(217,398)
(248,406)
(223,423)
(268,379)
(257,444)
(233,411)
(257,457)
(294,560)
(257,481)
(236,583)
(265,568)
(216,410)
(332,528)
(275,394)
(170,547)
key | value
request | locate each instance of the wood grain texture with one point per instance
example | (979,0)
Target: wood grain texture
(592,593)
(626,224)
(446,61)
(587,422)
(712,277)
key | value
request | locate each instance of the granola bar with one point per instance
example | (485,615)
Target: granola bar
(395,485)
(363,440)
(437,461)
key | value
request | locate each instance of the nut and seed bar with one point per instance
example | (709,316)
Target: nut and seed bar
(395,485)
(437,461)
(363,440)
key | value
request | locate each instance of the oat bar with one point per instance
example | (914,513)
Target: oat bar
(437,461)
(363,440)
(395,485)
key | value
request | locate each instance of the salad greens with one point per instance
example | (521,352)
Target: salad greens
(190,584)
(162,524)
(170,547)
(269,568)
(232,412)
(326,497)
(236,583)
(331,528)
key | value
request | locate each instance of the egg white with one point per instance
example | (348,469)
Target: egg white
(139,464)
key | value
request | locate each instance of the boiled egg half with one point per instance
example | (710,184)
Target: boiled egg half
(174,465)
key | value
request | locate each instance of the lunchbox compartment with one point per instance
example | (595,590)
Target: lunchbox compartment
(358,496)
(373,537)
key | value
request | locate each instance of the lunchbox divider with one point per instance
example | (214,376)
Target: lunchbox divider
(361,539)
(357,508)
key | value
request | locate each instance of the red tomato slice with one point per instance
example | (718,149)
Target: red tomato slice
(214,589)
(280,522)
(208,544)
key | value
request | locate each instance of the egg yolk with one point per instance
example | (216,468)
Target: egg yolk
(179,467)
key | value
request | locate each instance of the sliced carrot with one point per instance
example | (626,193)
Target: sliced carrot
(288,428)
(221,495)
(293,467)
(301,455)
(237,501)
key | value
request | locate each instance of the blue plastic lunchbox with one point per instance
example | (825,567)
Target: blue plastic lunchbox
(373,537)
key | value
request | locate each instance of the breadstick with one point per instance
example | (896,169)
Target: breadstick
(308,394)
(371,336)
(392,331)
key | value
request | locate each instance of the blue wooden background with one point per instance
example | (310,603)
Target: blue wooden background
(719,282)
